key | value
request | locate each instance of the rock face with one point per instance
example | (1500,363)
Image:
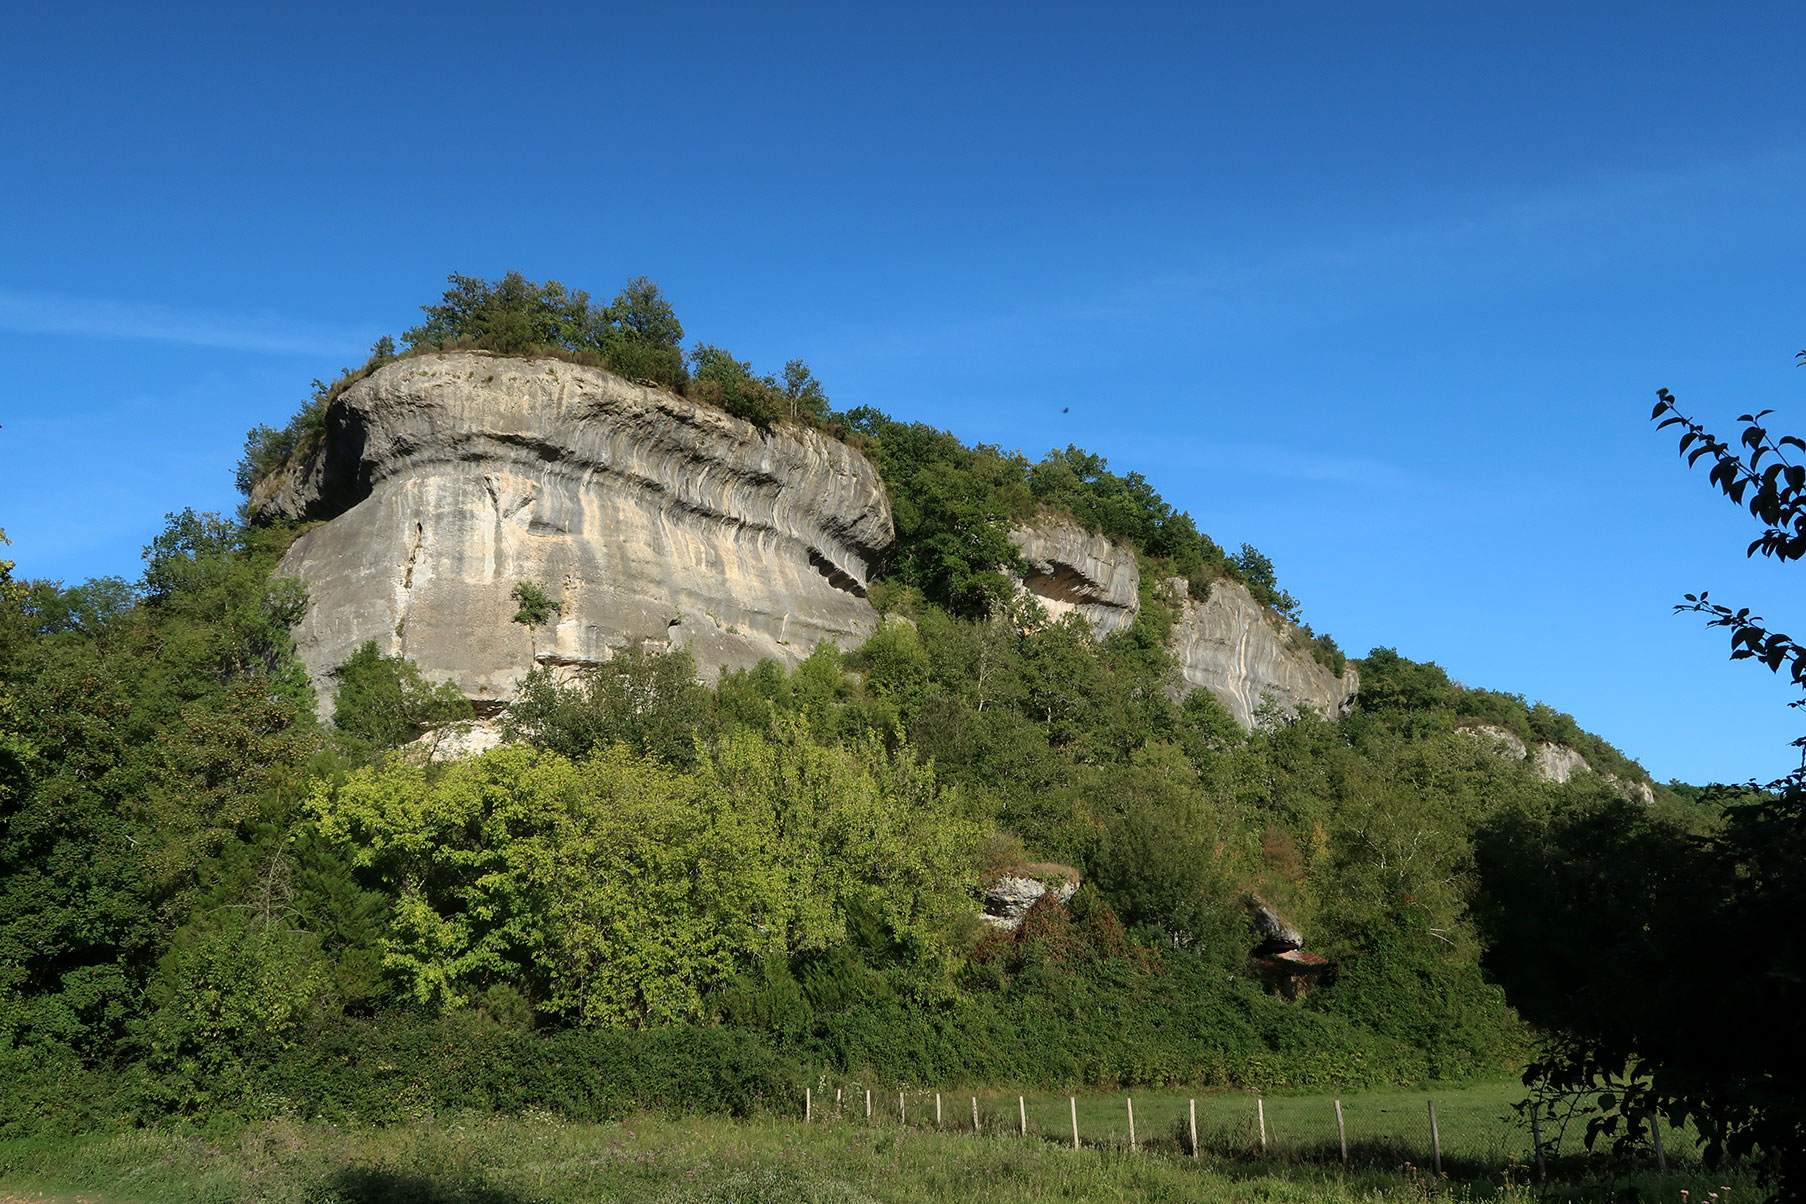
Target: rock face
(1228,644)
(1276,935)
(1553,762)
(1070,569)
(1241,652)
(1008,898)
(446,480)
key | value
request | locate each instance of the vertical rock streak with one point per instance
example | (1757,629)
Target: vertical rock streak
(450,478)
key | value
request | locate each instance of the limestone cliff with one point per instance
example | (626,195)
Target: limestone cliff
(1070,569)
(1553,762)
(1243,653)
(1228,644)
(445,480)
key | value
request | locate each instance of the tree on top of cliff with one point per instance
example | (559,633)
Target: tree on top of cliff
(636,334)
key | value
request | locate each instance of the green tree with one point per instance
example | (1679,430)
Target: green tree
(650,701)
(619,890)
(1676,1050)
(721,380)
(383,702)
(807,399)
(1256,571)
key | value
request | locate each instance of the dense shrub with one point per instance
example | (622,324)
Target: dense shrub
(395,1067)
(637,334)
(383,703)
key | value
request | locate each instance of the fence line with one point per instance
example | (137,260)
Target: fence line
(1296,1129)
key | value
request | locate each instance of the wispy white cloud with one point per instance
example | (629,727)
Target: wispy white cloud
(100,318)
(1457,244)
(1477,242)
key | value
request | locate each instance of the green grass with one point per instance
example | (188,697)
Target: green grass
(1480,1132)
(538,1159)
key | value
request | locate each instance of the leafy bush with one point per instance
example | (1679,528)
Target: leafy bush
(266,447)
(618,890)
(649,701)
(637,334)
(383,702)
(1401,981)
(398,1066)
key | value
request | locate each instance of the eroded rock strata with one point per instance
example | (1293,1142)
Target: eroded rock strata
(446,480)
(1245,654)
(1069,569)
(1228,643)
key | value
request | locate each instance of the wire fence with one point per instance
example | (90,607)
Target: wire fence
(1463,1132)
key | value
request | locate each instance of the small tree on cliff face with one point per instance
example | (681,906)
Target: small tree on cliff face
(1717,1033)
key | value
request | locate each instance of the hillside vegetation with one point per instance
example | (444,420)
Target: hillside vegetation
(691,896)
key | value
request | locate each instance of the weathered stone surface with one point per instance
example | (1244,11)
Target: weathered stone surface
(1243,653)
(1008,898)
(456,741)
(1275,933)
(1501,740)
(1229,644)
(1071,569)
(447,479)
(1558,762)
(1553,762)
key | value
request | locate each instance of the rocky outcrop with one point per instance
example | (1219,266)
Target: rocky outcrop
(1558,762)
(1071,570)
(446,480)
(1244,654)
(1553,762)
(1228,644)
(1274,932)
(1008,897)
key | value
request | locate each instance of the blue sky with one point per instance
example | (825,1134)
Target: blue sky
(1383,289)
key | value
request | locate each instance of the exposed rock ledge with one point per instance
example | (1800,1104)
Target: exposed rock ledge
(1069,569)
(447,479)
(1243,653)
(1228,644)
(1553,762)
(1009,897)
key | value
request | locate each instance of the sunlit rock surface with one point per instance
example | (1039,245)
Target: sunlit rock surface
(1245,654)
(1069,569)
(445,480)
(1552,762)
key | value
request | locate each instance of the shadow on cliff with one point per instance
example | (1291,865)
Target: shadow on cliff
(373,1185)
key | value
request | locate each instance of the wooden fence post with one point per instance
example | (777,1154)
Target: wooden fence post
(1260,1114)
(1655,1131)
(975,1116)
(1022,1114)
(1131,1102)
(1435,1138)
(1342,1132)
(1536,1139)
(1074,1101)
(902,1112)
(868,1103)
(808,1106)
(1194,1128)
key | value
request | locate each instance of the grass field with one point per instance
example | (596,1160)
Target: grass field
(485,1159)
